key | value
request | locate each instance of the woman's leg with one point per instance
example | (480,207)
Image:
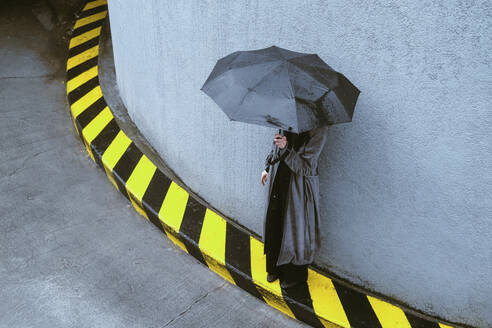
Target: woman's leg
(292,274)
(293,281)
(275,218)
(274,237)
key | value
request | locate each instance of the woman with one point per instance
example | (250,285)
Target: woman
(291,225)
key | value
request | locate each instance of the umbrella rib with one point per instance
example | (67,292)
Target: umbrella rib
(234,55)
(311,76)
(251,89)
(229,70)
(252,64)
(293,96)
(279,52)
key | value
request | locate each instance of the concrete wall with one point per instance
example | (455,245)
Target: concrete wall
(406,188)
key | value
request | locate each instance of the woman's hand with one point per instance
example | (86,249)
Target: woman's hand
(264,177)
(280,141)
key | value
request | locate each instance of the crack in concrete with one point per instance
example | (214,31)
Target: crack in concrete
(193,303)
(28,158)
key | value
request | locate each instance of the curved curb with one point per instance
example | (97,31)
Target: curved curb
(230,251)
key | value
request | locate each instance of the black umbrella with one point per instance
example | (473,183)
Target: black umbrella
(280,88)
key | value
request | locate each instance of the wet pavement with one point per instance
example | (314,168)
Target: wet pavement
(73,252)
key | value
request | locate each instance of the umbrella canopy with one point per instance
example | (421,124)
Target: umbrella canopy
(280,88)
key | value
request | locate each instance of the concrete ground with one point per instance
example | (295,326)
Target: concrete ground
(73,252)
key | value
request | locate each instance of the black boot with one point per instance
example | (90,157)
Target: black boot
(271,277)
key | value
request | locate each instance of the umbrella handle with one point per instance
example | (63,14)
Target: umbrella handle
(277,150)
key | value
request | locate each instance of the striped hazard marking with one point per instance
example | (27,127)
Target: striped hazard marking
(223,246)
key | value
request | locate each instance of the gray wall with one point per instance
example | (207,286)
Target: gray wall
(406,188)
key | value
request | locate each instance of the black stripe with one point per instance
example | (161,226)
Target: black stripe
(357,307)
(74,51)
(299,301)
(92,11)
(86,28)
(91,112)
(79,69)
(79,129)
(125,166)
(238,259)
(154,196)
(417,322)
(82,90)
(191,227)
(103,140)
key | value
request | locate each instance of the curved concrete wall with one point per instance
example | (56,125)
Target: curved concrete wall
(406,188)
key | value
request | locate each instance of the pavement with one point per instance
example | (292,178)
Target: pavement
(73,252)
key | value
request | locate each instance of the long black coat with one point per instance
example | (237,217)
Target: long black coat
(301,234)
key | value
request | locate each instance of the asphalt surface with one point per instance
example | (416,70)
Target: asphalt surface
(73,252)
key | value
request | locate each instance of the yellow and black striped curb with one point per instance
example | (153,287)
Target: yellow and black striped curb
(230,251)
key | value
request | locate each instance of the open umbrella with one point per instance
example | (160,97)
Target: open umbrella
(280,88)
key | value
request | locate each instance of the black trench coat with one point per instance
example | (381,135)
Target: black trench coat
(301,233)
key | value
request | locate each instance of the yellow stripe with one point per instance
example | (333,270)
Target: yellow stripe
(115,150)
(110,177)
(88,149)
(81,79)
(90,19)
(138,182)
(138,206)
(140,178)
(79,39)
(173,206)
(271,292)
(328,324)
(389,315)
(176,241)
(83,103)
(444,326)
(94,4)
(76,128)
(212,243)
(82,57)
(92,130)
(325,299)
